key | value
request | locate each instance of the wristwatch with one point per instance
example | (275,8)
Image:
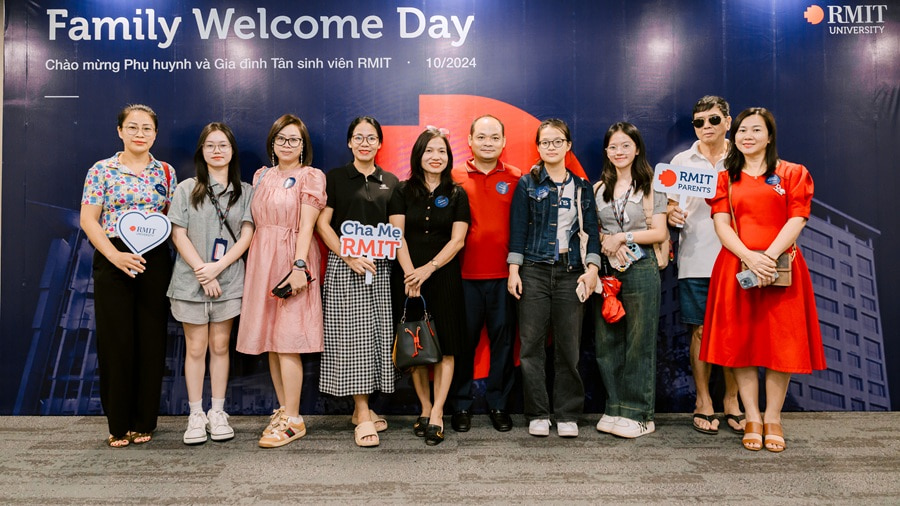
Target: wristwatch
(300,264)
(434,264)
(629,238)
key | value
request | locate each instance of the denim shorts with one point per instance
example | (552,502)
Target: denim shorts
(201,313)
(692,296)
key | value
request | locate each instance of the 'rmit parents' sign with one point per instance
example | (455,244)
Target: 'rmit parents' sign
(685,181)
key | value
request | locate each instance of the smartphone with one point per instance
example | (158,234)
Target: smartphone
(581,291)
(637,250)
(747,279)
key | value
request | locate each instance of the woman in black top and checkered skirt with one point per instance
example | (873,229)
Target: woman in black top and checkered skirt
(358,319)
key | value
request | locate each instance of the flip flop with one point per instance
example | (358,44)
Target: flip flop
(774,436)
(381,424)
(709,418)
(364,430)
(736,419)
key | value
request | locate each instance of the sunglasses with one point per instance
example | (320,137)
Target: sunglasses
(713,120)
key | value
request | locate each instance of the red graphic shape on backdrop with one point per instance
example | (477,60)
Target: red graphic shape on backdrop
(455,113)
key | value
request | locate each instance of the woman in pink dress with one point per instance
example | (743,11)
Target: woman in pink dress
(773,327)
(287,198)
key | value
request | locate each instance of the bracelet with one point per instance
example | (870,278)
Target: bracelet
(770,258)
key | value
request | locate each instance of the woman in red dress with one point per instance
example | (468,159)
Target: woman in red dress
(767,326)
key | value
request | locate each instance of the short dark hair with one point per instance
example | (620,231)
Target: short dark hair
(483,116)
(734,160)
(708,102)
(306,156)
(550,122)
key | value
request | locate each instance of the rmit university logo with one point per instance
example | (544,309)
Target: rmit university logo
(848,19)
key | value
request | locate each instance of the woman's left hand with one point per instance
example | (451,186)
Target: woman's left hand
(418,277)
(208,272)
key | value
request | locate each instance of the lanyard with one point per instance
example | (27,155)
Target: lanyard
(221,215)
(619,208)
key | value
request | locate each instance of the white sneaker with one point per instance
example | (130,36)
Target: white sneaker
(607,423)
(218,427)
(539,427)
(567,429)
(196,430)
(626,427)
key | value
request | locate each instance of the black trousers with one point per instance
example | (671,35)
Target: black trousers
(131,317)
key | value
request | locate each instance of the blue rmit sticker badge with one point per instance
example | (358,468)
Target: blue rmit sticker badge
(502,187)
(565,203)
(441,201)
(542,191)
(160,189)
(773,179)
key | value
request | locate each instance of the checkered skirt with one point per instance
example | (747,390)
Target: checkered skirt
(359,331)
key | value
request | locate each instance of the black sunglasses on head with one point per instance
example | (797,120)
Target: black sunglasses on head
(713,120)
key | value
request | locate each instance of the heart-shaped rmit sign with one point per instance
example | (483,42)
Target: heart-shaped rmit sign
(142,232)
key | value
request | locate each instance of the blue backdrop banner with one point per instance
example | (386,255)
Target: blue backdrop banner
(828,71)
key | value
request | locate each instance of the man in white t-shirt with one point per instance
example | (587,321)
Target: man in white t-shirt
(698,247)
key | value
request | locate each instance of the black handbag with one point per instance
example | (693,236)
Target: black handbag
(415,342)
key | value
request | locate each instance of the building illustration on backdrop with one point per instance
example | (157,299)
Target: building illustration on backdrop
(60,376)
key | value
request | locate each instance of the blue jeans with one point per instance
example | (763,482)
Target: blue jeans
(487,302)
(626,350)
(549,303)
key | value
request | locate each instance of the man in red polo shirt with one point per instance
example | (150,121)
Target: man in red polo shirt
(489,184)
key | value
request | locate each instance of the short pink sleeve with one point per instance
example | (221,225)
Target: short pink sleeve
(313,190)
(719,203)
(799,186)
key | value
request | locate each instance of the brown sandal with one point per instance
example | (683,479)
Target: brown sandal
(774,437)
(753,436)
(140,438)
(118,442)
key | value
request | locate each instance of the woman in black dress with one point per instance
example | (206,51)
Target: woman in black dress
(433,214)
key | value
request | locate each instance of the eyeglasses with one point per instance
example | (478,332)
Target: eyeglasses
(133,130)
(291,142)
(625,147)
(557,143)
(713,120)
(210,147)
(370,139)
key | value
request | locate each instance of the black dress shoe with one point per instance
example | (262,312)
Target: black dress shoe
(501,420)
(461,421)
(420,426)
(434,435)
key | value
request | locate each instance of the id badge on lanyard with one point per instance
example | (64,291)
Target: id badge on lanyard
(220,246)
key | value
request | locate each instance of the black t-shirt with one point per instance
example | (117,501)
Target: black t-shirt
(353,196)
(429,221)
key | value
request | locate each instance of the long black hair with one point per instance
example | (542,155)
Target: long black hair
(734,160)
(416,186)
(202,170)
(641,172)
